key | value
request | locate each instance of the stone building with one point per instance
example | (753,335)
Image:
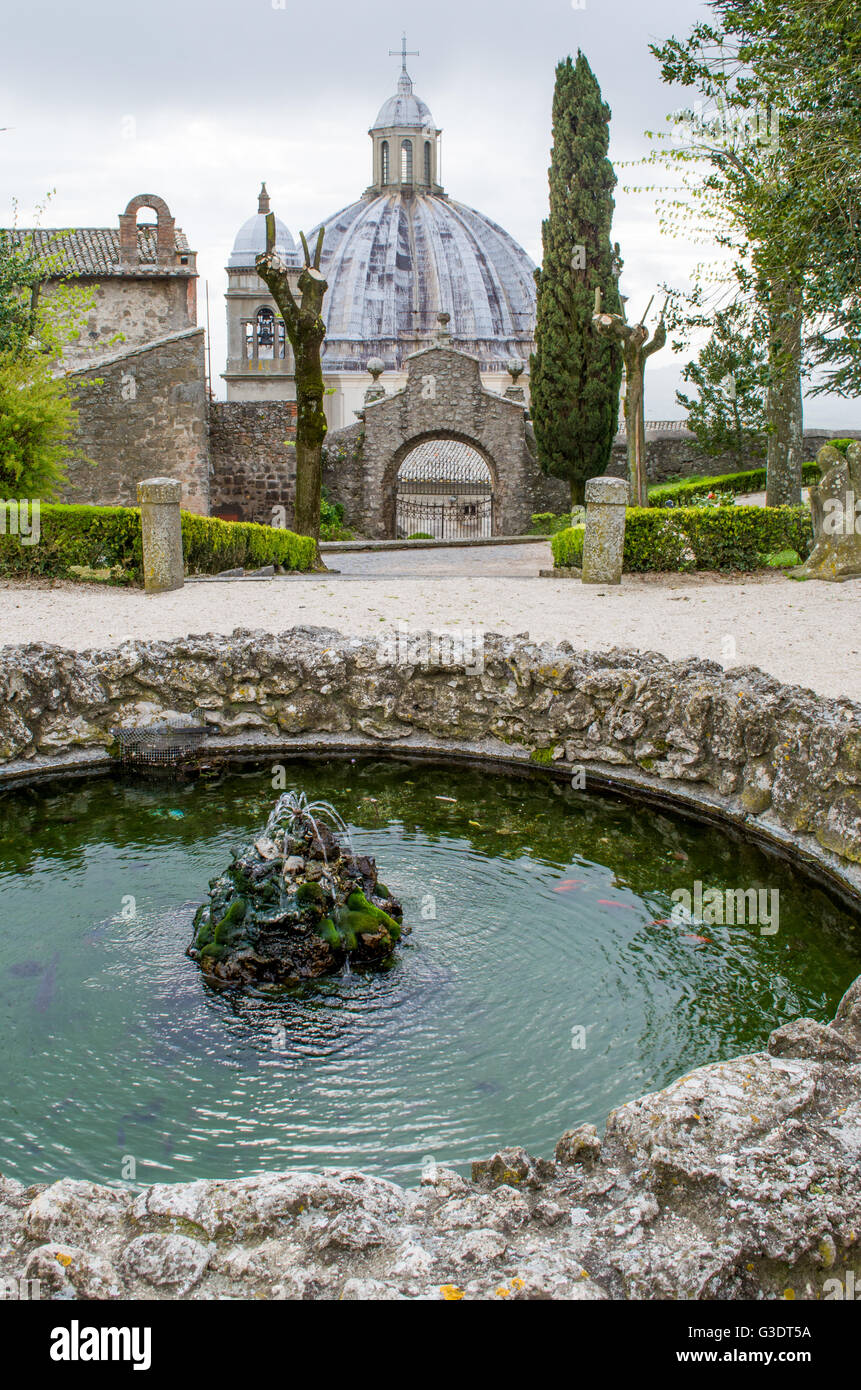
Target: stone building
(138,365)
(395,259)
(260,363)
(143,276)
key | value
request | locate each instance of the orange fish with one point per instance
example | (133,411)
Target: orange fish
(568,885)
(700,940)
(609,902)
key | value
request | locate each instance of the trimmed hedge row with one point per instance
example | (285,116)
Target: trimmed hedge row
(109,538)
(702,538)
(753,480)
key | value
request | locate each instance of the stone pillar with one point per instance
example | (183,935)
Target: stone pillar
(161,528)
(604,542)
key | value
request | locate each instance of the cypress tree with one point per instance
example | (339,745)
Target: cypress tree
(575,372)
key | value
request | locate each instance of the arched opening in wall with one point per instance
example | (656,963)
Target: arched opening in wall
(407,161)
(428,166)
(444,491)
(265,338)
(147,233)
(384,162)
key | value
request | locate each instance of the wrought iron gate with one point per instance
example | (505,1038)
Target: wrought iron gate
(444,490)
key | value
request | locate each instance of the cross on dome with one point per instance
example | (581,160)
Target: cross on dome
(405,82)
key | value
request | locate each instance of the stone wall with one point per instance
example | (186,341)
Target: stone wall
(780,761)
(675,453)
(342,469)
(253,466)
(142,414)
(135,310)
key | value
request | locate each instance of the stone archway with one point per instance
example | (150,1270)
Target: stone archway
(444,489)
(444,400)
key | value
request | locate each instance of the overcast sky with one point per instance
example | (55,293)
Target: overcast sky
(198,100)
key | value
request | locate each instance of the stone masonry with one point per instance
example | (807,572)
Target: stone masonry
(141,414)
(444,398)
(253,464)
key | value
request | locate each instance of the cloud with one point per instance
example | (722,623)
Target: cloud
(198,100)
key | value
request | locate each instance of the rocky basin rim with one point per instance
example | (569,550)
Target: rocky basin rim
(623,773)
(740,1180)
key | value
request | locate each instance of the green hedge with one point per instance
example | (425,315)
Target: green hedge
(703,538)
(109,539)
(548,523)
(753,480)
(567,547)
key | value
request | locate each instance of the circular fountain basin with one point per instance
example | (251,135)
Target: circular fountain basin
(544,983)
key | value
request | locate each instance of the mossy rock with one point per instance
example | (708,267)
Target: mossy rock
(261,927)
(358,903)
(329,932)
(310,894)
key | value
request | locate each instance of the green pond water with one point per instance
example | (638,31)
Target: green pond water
(537,911)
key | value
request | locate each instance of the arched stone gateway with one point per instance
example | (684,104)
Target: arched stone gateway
(444,489)
(445,453)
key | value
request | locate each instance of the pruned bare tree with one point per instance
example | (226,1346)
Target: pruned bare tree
(306,330)
(636,347)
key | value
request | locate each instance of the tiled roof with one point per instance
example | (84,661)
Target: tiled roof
(92,250)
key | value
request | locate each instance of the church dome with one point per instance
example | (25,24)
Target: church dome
(396,259)
(251,237)
(404,109)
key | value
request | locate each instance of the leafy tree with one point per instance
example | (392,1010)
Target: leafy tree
(37,410)
(37,419)
(728,414)
(773,151)
(20,277)
(576,374)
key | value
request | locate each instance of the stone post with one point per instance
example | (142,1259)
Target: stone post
(604,542)
(161,529)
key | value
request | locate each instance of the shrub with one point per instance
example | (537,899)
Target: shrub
(707,538)
(108,538)
(332,526)
(781,559)
(753,480)
(420,536)
(567,547)
(37,419)
(548,523)
(711,499)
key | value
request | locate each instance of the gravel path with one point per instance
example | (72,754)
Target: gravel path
(805,634)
